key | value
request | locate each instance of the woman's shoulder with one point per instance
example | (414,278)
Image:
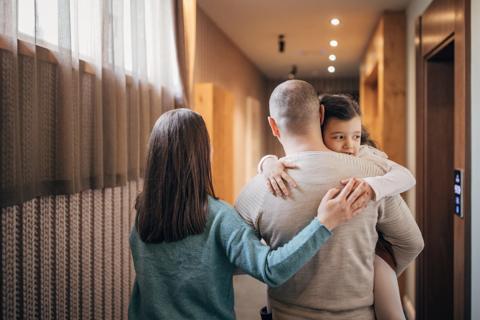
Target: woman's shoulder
(218,204)
(218,207)
(222,211)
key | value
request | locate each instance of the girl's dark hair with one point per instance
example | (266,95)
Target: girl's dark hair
(343,107)
(178,179)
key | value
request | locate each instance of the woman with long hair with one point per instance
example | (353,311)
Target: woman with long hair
(186,243)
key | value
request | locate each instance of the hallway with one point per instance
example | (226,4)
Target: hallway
(82,85)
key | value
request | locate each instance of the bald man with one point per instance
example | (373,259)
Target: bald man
(338,282)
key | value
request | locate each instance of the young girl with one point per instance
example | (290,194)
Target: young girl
(343,132)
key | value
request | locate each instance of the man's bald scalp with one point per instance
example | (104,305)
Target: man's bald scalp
(295,107)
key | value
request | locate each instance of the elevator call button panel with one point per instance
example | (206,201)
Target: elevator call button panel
(458,192)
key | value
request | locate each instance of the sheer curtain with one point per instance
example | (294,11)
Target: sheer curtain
(81,84)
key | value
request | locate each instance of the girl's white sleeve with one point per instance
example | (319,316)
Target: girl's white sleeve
(397,179)
(259,166)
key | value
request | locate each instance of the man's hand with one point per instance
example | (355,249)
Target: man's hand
(369,191)
(340,205)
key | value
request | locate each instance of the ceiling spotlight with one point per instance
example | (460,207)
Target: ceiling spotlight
(333,43)
(335,22)
(331,69)
(281,43)
(332,57)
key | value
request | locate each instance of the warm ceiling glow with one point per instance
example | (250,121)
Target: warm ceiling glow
(332,57)
(333,43)
(335,22)
(331,69)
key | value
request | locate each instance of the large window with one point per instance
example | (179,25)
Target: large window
(40,21)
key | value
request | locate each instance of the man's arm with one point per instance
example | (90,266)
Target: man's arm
(398,227)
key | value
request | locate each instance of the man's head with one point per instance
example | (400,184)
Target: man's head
(294,110)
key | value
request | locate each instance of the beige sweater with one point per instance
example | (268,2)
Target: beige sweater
(338,282)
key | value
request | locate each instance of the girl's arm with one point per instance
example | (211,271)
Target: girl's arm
(397,179)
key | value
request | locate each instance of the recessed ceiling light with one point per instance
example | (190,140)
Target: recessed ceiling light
(332,57)
(335,22)
(333,43)
(331,69)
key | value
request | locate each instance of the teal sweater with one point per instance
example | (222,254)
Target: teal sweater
(192,278)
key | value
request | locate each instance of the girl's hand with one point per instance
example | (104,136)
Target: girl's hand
(340,205)
(370,190)
(274,172)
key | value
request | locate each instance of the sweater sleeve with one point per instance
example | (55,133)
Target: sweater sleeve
(397,179)
(400,229)
(260,164)
(273,267)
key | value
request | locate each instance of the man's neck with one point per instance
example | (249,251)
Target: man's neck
(298,144)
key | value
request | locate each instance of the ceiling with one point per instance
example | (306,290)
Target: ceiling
(254,26)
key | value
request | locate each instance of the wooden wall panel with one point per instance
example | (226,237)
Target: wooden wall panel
(394,80)
(253,132)
(219,61)
(216,107)
(382,85)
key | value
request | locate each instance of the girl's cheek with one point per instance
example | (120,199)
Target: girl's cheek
(329,144)
(357,148)
(334,146)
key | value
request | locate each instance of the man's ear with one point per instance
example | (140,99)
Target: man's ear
(274,127)
(322,113)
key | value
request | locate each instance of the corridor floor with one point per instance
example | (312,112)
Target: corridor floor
(250,297)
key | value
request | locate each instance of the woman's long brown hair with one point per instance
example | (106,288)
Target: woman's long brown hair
(178,179)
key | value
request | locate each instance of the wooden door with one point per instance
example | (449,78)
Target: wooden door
(443,289)
(436,264)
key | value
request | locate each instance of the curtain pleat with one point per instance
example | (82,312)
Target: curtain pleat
(182,54)
(11,182)
(185,12)
(69,124)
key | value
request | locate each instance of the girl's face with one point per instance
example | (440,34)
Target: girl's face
(343,135)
